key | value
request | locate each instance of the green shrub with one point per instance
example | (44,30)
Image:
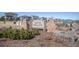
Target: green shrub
(18,34)
(36,32)
(7,33)
(29,34)
(1,34)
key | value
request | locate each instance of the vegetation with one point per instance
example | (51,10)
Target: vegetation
(36,31)
(2,18)
(18,34)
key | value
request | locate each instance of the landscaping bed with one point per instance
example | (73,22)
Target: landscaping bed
(18,34)
(43,40)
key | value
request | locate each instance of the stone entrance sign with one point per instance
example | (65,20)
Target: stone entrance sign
(39,24)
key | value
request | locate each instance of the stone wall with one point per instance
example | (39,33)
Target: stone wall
(47,25)
(7,24)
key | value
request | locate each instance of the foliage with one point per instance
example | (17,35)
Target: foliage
(2,18)
(1,34)
(36,31)
(18,33)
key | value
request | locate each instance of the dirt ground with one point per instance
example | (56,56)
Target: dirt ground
(43,40)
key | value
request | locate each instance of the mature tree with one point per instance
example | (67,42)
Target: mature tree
(11,15)
(2,18)
(35,17)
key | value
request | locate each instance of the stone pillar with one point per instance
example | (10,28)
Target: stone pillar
(45,29)
(51,27)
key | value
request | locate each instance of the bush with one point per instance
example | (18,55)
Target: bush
(18,33)
(1,34)
(36,32)
(7,33)
(29,34)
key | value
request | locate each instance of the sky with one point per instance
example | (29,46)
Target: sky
(61,15)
